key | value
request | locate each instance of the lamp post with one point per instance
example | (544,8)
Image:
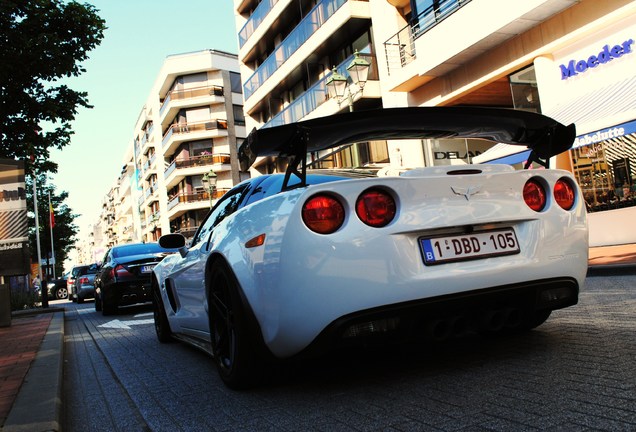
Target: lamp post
(339,88)
(209,182)
(338,85)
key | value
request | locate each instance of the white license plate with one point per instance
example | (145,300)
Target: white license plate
(147,268)
(439,250)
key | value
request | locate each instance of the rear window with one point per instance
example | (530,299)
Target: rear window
(273,184)
(136,249)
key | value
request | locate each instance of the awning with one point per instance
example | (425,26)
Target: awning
(598,109)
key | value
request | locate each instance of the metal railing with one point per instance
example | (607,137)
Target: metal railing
(183,128)
(197,196)
(294,40)
(213,90)
(257,17)
(221,158)
(316,95)
(399,49)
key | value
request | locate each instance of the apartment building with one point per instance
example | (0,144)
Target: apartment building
(185,142)
(570,59)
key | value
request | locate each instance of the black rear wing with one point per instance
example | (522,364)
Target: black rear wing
(544,136)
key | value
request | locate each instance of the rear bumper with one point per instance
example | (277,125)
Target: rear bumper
(493,309)
(126,293)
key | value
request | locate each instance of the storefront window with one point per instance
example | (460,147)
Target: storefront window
(453,151)
(606,172)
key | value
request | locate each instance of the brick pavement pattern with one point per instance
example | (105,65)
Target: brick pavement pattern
(19,344)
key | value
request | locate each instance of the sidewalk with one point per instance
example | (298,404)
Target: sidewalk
(31,357)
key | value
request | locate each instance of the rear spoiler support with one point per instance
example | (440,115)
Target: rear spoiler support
(298,158)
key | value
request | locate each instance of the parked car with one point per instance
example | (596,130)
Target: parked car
(84,287)
(72,283)
(294,264)
(57,288)
(124,277)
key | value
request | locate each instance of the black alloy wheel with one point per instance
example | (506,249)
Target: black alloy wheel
(232,346)
(162,326)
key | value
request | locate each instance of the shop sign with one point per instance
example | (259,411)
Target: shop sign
(456,155)
(605,134)
(606,55)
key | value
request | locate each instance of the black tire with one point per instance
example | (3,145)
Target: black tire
(536,319)
(98,304)
(108,309)
(233,349)
(162,326)
(80,300)
(61,293)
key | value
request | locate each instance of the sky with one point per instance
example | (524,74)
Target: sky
(119,76)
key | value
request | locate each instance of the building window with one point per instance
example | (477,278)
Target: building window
(235,82)
(239,116)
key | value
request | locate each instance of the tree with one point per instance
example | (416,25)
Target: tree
(64,228)
(41,42)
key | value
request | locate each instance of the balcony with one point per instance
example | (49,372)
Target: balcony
(316,95)
(197,165)
(257,17)
(400,48)
(177,99)
(415,56)
(303,31)
(182,203)
(188,232)
(178,133)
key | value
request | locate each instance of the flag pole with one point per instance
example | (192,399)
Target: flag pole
(51,223)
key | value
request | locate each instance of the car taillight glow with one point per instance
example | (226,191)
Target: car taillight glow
(375,208)
(323,214)
(534,195)
(564,193)
(84,281)
(119,271)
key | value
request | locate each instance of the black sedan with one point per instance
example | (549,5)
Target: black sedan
(125,274)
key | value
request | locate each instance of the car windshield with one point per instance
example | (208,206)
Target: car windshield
(137,249)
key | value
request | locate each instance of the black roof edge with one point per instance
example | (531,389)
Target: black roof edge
(543,135)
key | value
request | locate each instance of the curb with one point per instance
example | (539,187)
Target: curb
(37,407)
(611,269)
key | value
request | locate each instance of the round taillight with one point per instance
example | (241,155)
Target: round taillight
(375,208)
(564,193)
(534,195)
(323,214)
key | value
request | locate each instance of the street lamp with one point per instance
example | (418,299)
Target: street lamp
(209,182)
(338,85)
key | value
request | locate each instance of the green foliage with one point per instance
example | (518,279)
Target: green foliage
(42,41)
(21,300)
(64,230)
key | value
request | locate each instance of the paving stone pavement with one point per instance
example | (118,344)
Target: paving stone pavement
(22,342)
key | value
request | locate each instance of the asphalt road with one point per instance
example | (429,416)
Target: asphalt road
(576,372)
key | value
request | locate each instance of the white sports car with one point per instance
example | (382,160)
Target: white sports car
(294,263)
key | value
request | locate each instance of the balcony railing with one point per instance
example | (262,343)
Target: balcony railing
(184,128)
(399,49)
(194,197)
(222,158)
(190,93)
(316,95)
(303,31)
(257,17)
(187,232)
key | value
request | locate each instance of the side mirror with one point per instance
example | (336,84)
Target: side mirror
(174,241)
